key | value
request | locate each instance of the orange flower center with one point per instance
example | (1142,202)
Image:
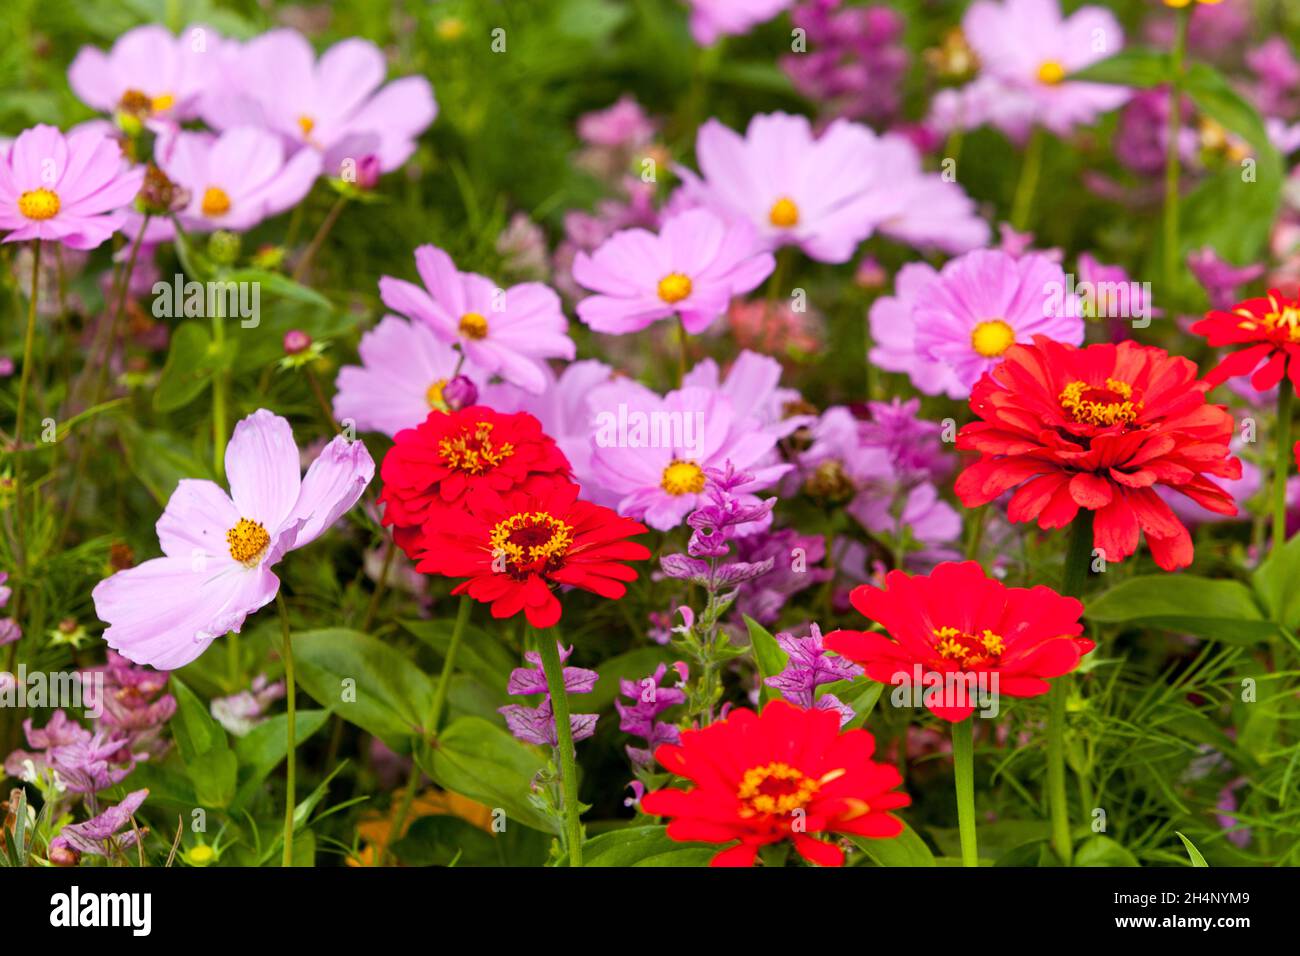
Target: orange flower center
(473,326)
(531,541)
(674,287)
(248,541)
(784,214)
(137,103)
(682,477)
(306,124)
(778,788)
(1103,405)
(1283,321)
(1051,72)
(992,337)
(434,395)
(39,204)
(969,650)
(474,452)
(216,201)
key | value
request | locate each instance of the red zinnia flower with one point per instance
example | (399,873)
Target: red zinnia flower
(513,548)
(467,457)
(787,772)
(960,621)
(1098,428)
(1273,324)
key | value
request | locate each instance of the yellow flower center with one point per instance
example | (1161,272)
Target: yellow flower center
(434,395)
(473,326)
(1282,320)
(1104,405)
(969,650)
(202,855)
(306,124)
(674,287)
(992,337)
(682,477)
(784,213)
(162,102)
(530,541)
(248,541)
(216,202)
(778,788)
(39,204)
(1051,72)
(474,452)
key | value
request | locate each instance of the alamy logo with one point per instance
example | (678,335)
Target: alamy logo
(680,431)
(74,908)
(68,690)
(951,689)
(192,300)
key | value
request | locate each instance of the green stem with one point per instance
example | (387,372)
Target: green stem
(373,608)
(564,744)
(431,722)
(1173,172)
(220,386)
(289,730)
(963,763)
(1285,401)
(1077,561)
(300,270)
(1027,185)
(683,353)
(23,385)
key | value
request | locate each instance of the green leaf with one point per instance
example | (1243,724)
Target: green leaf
(192,360)
(159,460)
(213,775)
(1192,852)
(644,846)
(1130,67)
(262,748)
(1277,584)
(1222,610)
(769,657)
(481,653)
(194,729)
(1103,851)
(906,849)
(445,841)
(861,694)
(366,682)
(277,284)
(479,760)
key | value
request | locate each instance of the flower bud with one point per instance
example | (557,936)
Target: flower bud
(459,393)
(296,341)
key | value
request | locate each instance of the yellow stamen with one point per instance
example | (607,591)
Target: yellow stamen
(248,541)
(1051,72)
(969,650)
(306,124)
(474,453)
(473,326)
(682,477)
(784,213)
(530,537)
(216,202)
(992,337)
(162,102)
(39,204)
(674,287)
(1283,319)
(1106,405)
(434,395)
(776,788)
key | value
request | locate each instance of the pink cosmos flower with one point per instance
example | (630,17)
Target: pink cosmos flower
(945,329)
(692,269)
(711,19)
(64,189)
(753,383)
(234,180)
(404,368)
(1029,48)
(651,452)
(219,549)
(334,105)
(149,73)
(506,332)
(826,194)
